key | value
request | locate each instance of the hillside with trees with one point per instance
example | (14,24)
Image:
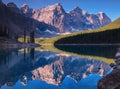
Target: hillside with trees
(109,34)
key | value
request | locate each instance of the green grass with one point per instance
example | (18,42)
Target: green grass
(48,43)
(51,41)
(54,49)
(21,39)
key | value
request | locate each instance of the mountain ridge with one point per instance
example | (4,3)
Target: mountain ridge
(49,21)
(72,21)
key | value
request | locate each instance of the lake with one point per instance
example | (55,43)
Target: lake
(36,68)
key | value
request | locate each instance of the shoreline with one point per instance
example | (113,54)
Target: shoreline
(6,43)
(18,45)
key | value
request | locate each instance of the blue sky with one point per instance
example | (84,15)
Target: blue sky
(110,7)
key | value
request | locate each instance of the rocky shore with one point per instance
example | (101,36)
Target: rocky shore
(4,44)
(112,80)
(18,45)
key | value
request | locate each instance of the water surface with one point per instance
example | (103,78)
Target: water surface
(40,69)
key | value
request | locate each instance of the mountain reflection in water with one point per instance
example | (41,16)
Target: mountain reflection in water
(31,69)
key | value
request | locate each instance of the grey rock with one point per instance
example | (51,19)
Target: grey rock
(75,20)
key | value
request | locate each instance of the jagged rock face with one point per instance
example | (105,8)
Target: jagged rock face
(9,21)
(26,10)
(88,21)
(76,20)
(9,16)
(60,21)
(53,19)
(104,19)
(53,15)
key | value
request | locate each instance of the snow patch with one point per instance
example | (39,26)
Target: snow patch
(48,31)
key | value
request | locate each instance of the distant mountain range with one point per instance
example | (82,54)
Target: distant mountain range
(75,20)
(53,20)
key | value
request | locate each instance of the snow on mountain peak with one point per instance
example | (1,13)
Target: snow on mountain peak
(77,18)
(25,6)
(79,10)
(54,6)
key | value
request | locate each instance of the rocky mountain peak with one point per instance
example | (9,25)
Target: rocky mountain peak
(102,15)
(55,16)
(13,7)
(26,10)
(104,19)
(77,19)
(11,4)
(25,6)
(57,5)
(52,15)
(54,8)
(78,10)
